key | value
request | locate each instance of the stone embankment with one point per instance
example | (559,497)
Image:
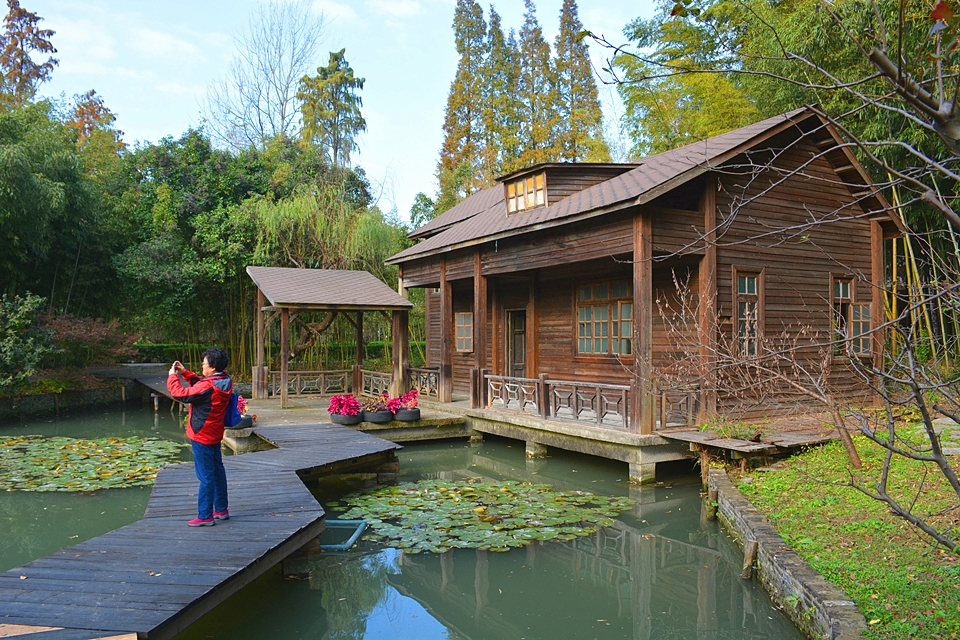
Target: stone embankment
(816,605)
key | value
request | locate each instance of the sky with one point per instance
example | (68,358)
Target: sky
(152,61)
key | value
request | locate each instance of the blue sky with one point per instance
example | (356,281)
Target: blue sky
(152,61)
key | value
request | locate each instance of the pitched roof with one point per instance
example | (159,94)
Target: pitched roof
(325,289)
(482,217)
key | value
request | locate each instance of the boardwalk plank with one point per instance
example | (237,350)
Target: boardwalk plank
(156,576)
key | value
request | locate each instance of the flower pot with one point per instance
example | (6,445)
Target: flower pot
(408,415)
(339,418)
(377,416)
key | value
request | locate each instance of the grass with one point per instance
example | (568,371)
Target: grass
(905,585)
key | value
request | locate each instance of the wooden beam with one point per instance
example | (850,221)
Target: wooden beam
(496,334)
(642,409)
(400,383)
(877,281)
(707,283)
(479,323)
(445,392)
(284,355)
(531,329)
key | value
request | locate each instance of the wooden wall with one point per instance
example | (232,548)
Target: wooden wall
(771,229)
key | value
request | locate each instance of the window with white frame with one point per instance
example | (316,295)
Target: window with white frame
(748,313)
(464,322)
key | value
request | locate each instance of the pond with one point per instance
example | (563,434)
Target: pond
(662,571)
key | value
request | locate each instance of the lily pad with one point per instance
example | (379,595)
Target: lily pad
(36,463)
(438,515)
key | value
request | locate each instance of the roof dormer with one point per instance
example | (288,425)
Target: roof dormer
(526,192)
(548,183)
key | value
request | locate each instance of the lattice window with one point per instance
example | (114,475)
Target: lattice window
(860,329)
(464,322)
(527,193)
(605,318)
(748,314)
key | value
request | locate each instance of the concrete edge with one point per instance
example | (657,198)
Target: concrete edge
(817,606)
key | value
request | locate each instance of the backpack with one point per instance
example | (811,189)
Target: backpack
(233,416)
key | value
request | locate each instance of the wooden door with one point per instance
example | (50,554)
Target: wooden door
(517,344)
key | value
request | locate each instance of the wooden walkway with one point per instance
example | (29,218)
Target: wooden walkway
(152,578)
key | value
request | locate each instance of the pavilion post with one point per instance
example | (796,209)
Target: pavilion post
(284,355)
(400,382)
(707,283)
(260,371)
(358,356)
(479,327)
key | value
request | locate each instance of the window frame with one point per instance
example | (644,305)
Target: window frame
(614,306)
(459,338)
(758,298)
(526,193)
(847,343)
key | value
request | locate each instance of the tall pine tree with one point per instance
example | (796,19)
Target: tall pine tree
(580,119)
(331,109)
(459,169)
(501,106)
(537,87)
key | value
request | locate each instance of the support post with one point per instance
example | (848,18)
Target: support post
(445,390)
(284,355)
(358,355)
(877,280)
(707,321)
(642,398)
(260,371)
(479,325)
(400,382)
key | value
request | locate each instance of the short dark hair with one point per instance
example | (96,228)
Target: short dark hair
(216,358)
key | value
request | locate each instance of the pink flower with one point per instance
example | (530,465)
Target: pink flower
(345,404)
(409,399)
(393,404)
(242,405)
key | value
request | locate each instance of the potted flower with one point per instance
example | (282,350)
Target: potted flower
(376,410)
(406,406)
(345,409)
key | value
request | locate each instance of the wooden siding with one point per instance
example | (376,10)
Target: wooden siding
(677,231)
(565,181)
(422,273)
(771,232)
(431,301)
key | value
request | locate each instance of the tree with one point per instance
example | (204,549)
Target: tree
(459,168)
(257,99)
(422,210)
(21,38)
(23,343)
(579,117)
(501,106)
(537,88)
(331,109)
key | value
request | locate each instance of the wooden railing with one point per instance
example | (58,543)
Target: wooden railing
(374,383)
(514,394)
(603,405)
(426,381)
(302,383)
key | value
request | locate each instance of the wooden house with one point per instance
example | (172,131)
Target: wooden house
(576,291)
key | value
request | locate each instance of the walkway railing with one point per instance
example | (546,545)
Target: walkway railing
(426,381)
(374,383)
(602,405)
(303,383)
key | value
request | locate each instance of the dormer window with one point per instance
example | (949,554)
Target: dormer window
(527,193)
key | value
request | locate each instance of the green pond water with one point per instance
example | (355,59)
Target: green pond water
(661,572)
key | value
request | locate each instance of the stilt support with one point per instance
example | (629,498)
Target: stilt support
(643,472)
(536,450)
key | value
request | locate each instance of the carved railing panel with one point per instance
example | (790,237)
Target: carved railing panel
(375,383)
(603,405)
(426,381)
(303,383)
(513,394)
(679,406)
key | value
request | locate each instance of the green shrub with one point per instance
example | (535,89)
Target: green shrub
(81,342)
(23,342)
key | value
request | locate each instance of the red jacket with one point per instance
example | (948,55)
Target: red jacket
(208,399)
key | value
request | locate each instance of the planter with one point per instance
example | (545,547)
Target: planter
(408,415)
(339,418)
(377,416)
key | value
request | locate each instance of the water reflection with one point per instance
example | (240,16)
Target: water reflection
(662,572)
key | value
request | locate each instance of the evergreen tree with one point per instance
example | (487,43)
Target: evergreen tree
(459,169)
(331,109)
(537,88)
(21,36)
(501,107)
(580,120)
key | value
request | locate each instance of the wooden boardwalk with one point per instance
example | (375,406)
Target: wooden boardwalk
(152,578)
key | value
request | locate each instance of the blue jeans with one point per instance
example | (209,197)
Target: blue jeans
(212,495)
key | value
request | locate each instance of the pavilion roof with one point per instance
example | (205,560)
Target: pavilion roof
(326,289)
